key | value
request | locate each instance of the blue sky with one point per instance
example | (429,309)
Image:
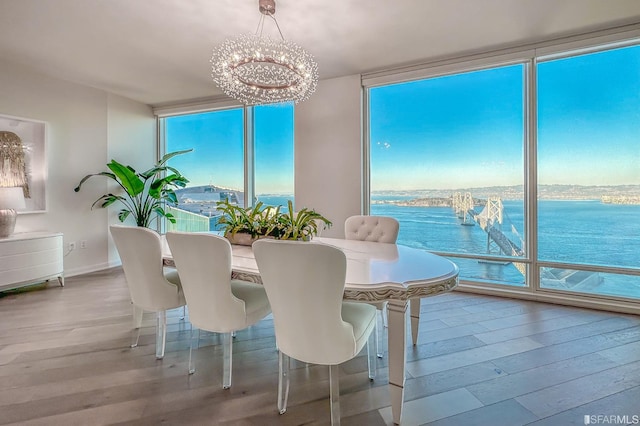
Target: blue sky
(218,147)
(451,132)
(589,119)
(467,130)
(436,133)
(218,142)
(274,149)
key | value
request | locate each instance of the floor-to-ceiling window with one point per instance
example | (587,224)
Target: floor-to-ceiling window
(588,114)
(446,159)
(242,155)
(527,174)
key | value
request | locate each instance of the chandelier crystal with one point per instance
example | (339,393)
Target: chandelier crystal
(258,70)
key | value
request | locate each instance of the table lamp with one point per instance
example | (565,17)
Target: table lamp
(11,199)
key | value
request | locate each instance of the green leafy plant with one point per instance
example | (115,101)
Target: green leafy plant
(145,193)
(301,225)
(259,221)
(255,221)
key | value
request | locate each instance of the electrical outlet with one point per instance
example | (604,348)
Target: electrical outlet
(72,245)
(83,244)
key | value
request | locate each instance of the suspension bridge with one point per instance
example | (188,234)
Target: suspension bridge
(490,220)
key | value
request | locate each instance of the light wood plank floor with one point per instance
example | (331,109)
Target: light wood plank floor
(65,360)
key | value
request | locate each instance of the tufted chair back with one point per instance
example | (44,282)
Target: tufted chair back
(381,229)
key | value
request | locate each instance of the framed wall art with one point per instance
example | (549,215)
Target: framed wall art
(23,159)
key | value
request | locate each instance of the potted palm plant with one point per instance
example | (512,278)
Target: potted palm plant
(145,193)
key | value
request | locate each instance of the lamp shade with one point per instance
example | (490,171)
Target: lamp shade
(12,198)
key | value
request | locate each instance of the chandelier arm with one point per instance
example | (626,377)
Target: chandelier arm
(277,26)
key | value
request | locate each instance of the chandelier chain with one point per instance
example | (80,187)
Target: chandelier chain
(277,26)
(260,27)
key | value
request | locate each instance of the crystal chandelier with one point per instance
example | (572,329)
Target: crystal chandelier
(258,70)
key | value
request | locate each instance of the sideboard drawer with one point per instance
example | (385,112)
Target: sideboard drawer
(27,258)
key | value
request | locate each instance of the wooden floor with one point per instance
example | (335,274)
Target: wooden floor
(65,360)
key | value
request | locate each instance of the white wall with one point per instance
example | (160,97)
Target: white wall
(88,127)
(131,141)
(328,146)
(85,127)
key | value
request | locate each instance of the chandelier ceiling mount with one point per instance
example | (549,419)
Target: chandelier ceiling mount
(267,7)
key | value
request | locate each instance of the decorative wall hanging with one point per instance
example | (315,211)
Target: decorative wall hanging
(23,160)
(13,170)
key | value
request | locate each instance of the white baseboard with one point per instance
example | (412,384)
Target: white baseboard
(580,301)
(91,268)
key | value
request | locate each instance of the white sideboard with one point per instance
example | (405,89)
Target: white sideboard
(30,257)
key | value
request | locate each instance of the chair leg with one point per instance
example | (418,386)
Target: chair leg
(372,359)
(195,342)
(227,360)
(334,393)
(379,336)
(283,382)
(137,323)
(135,335)
(161,333)
(385,320)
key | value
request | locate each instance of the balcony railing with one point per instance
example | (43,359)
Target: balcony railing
(187,221)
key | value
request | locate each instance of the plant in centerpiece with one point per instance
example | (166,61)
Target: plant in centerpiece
(145,192)
(253,221)
(301,225)
(245,225)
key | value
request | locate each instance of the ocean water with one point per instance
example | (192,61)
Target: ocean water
(579,232)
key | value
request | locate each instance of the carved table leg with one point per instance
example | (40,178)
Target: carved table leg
(415,319)
(397,338)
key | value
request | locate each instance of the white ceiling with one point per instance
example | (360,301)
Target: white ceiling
(158,51)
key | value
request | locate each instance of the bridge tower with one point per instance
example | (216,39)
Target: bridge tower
(456,203)
(467,206)
(494,209)
(462,205)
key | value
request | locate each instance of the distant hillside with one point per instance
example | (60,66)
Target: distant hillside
(202,199)
(204,188)
(516,192)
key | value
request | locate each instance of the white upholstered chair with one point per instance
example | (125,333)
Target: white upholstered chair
(151,287)
(305,285)
(380,229)
(216,302)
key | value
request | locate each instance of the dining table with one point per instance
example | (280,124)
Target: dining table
(377,272)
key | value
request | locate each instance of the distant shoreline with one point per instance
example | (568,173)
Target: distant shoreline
(442,202)
(606,194)
(448,201)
